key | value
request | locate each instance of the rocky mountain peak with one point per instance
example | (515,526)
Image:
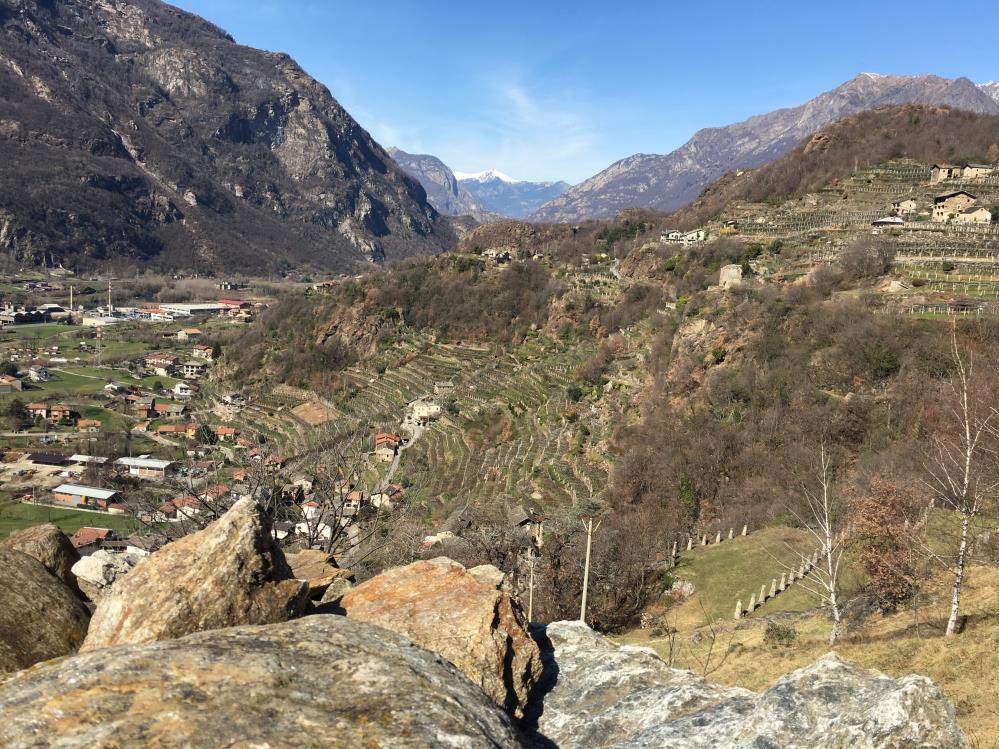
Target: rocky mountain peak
(667,182)
(136,132)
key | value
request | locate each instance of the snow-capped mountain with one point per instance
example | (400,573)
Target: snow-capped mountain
(991,88)
(488,174)
(501,193)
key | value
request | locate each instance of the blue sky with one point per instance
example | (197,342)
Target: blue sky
(559,90)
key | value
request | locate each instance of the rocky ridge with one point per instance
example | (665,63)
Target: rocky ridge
(134,132)
(599,694)
(444,191)
(667,182)
(322,681)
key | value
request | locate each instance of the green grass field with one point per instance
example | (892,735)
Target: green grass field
(734,570)
(15,516)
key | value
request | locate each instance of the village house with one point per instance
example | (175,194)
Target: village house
(183,390)
(161,363)
(948,205)
(225,434)
(904,206)
(60,413)
(146,467)
(193,369)
(425,409)
(202,351)
(188,334)
(89,425)
(10,384)
(37,410)
(975,215)
(180,507)
(386,445)
(941,172)
(87,540)
(77,495)
(976,171)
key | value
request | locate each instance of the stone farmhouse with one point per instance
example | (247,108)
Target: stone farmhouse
(950,204)
(976,215)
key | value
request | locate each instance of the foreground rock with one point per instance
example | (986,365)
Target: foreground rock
(48,545)
(96,573)
(609,696)
(439,605)
(320,681)
(40,616)
(228,574)
(317,568)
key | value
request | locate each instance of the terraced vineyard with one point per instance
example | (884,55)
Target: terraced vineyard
(544,455)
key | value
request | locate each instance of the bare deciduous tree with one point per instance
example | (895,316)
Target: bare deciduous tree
(823,516)
(959,475)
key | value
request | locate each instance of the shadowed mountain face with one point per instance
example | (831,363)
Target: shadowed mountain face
(444,191)
(133,133)
(673,180)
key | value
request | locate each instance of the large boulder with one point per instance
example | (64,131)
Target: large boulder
(230,573)
(96,573)
(317,568)
(320,681)
(439,605)
(597,694)
(48,545)
(40,616)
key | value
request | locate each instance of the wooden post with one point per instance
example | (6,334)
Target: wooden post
(783,581)
(730,533)
(773,587)
(738,609)
(744,529)
(690,543)
(752,602)
(763,593)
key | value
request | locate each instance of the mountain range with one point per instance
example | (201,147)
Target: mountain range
(134,133)
(486,195)
(667,182)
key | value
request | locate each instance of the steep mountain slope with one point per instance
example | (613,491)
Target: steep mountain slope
(137,134)
(443,189)
(991,88)
(670,181)
(509,197)
(920,132)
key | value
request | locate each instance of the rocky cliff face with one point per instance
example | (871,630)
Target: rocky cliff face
(670,181)
(137,133)
(443,190)
(602,695)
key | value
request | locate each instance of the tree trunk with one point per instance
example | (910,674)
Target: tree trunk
(586,570)
(959,565)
